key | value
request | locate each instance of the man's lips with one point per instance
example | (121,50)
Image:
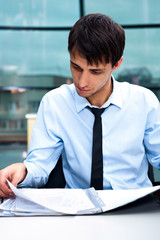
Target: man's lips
(83,89)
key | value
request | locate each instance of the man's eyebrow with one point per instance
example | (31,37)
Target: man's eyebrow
(98,69)
(91,69)
(74,63)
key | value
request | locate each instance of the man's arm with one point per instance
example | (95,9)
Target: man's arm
(152,133)
(15,173)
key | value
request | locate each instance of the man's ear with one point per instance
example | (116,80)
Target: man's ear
(118,64)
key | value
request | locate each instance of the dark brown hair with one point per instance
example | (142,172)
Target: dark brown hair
(97,37)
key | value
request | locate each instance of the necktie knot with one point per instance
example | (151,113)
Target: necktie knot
(97,111)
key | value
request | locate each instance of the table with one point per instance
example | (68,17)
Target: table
(138,221)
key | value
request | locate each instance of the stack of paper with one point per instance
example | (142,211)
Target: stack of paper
(68,201)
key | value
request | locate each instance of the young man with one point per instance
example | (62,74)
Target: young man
(64,124)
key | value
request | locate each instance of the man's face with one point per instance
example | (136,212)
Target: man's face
(91,81)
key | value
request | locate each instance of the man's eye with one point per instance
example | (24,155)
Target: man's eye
(77,68)
(96,72)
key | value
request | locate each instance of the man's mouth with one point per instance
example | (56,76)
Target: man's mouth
(82,89)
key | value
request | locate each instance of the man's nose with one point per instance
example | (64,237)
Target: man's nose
(83,79)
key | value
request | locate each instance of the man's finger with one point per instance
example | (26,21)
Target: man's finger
(6,195)
(5,190)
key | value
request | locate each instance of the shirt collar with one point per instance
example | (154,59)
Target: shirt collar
(116,95)
(114,99)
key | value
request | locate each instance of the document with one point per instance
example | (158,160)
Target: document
(30,201)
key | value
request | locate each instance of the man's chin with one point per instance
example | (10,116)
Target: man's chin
(84,94)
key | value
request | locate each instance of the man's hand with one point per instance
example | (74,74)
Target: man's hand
(15,173)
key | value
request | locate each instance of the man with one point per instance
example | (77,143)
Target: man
(64,124)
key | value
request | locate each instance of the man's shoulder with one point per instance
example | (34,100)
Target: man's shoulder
(136,89)
(137,94)
(65,91)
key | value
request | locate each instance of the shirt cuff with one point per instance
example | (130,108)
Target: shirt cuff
(27,182)
(34,178)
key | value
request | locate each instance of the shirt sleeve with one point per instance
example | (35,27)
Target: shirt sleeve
(45,146)
(152,133)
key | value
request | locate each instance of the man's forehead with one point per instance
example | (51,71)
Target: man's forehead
(76,57)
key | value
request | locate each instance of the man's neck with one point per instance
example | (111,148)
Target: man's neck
(101,97)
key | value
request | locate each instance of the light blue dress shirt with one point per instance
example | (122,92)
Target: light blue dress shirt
(131,135)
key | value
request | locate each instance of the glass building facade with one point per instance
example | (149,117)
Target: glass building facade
(34,57)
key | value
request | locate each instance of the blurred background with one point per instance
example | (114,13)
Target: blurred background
(34,57)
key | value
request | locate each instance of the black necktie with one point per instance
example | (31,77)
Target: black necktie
(97,157)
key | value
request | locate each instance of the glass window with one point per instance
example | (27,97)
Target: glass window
(39,12)
(35,53)
(126,12)
(141,59)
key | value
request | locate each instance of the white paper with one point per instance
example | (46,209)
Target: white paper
(30,202)
(118,198)
(66,201)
